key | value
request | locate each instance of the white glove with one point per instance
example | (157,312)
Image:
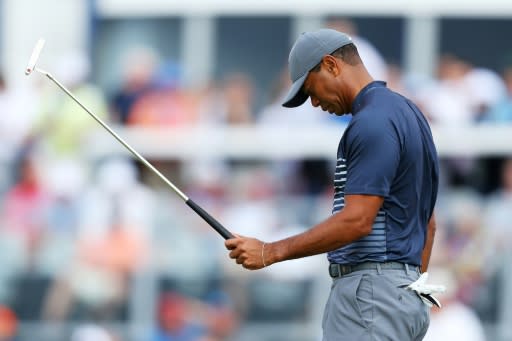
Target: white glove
(425,291)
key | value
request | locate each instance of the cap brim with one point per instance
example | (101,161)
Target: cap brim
(296,96)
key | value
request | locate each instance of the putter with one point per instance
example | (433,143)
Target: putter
(31,67)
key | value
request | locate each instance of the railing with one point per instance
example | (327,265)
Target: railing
(282,142)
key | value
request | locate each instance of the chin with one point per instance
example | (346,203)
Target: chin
(340,112)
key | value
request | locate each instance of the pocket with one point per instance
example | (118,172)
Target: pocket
(343,317)
(364,299)
(401,283)
(418,314)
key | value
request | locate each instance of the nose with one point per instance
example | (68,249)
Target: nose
(315,102)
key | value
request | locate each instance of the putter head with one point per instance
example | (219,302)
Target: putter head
(31,66)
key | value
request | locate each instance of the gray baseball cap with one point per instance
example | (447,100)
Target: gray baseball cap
(306,53)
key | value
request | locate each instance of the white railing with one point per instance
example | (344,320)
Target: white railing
(489,8)
(282,142)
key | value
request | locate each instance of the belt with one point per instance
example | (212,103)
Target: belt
(338,270)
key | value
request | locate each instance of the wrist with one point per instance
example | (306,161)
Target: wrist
(271,254)
(264,263)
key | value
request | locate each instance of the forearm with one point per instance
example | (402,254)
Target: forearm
(353,222)
(338,230)
(427,250)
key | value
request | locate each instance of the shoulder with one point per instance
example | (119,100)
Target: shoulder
(385,97)
(381,118)
(374,130)
(372,119)
(386,106)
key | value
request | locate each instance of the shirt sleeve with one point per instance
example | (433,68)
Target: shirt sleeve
(372,151)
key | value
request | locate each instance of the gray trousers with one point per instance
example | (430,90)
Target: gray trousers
(369,305)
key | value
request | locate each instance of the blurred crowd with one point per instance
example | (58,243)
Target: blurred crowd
(80,237)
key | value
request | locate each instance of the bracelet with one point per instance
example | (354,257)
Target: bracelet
(263,255)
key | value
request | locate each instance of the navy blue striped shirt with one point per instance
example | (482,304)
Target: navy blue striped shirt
(387,150)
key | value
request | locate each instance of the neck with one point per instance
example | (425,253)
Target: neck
(360,78)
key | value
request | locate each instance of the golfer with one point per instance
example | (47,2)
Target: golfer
(380,234)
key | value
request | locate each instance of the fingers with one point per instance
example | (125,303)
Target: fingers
(245,251)
(232,243)
(235,253)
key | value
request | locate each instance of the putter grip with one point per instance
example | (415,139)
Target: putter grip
(209,219)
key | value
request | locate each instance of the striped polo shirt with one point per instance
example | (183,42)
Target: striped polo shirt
(387,150)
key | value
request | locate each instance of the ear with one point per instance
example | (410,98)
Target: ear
(332,65)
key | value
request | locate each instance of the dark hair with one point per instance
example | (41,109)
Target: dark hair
(347,53)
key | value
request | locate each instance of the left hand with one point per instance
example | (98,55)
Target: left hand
(246,251)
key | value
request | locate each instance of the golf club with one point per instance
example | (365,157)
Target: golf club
(31,67)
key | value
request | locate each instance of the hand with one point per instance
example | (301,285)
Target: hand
(249,252)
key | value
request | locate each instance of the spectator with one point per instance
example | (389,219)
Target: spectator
(173,322)
(117,187)
(64,125)
(166,103)
(501,112)
(486,88)
(25,207)
(138,71)
(230,102)
(447,101)
(66,181)
(452,102)
(97,284)
(221,319)
(112,245)
(238,92)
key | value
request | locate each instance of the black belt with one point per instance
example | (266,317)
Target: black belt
(338,270)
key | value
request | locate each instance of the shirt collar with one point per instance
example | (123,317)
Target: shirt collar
(358,101)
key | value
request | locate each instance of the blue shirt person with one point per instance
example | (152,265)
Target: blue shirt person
(380,235)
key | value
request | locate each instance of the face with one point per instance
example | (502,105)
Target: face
(325,88)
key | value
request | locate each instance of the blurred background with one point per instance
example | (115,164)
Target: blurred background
(94,247)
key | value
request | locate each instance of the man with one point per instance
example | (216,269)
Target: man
(381,231)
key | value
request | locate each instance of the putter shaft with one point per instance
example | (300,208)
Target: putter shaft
(194,206)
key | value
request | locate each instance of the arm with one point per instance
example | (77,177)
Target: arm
(372,149)
(429,242)
(353,222)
